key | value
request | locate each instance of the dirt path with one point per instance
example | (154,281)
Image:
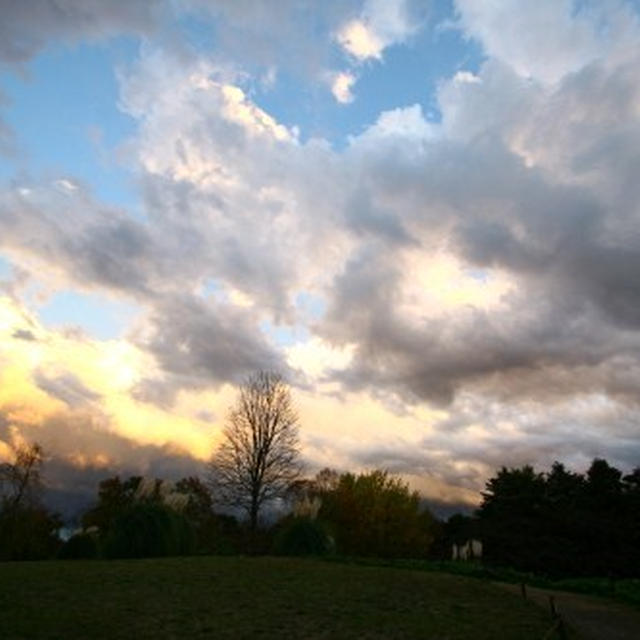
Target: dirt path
(593,618)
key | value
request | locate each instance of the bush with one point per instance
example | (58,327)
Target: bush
(147,530)
(303,537)
(79,546)
(28,533)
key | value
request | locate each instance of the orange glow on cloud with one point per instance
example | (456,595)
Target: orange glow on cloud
(333,428)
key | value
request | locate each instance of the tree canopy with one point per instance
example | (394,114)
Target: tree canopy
(374,514)
(563,523)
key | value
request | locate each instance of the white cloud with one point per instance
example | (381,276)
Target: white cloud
(462,77)
(549,39)
(403,124)
(447,252)
(360,40)
(341,87)
(381,23)
(65,185)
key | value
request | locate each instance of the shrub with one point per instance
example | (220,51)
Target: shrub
(303,537)
(29,533)
(147,530)
(79,546)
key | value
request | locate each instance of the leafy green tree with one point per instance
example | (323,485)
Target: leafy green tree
(375,514)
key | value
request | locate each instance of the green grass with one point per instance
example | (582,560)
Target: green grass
(225,597)
(625,590)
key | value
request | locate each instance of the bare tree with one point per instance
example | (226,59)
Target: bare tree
(258,459)
(20,481)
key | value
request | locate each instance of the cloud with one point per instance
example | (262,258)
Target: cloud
(341,87)
(381,23)
(205,343)
(26,29)
(65,387)
(474,276)
(289,35)
(553,38)
(80,452)
(360,41)
(23,334)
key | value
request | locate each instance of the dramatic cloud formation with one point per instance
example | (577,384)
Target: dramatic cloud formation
(450,283)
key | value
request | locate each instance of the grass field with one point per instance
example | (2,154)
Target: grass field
(215,597)
(625,590)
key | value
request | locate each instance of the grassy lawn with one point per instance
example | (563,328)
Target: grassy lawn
(216,597)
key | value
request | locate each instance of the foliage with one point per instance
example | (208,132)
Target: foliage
(79,546)
(258,459)
(456,530)
(215,533)
(240,597)
(20,480)
(302,537)
(114,497)
(563,523)
(118,500)
(375,514)
(28,531)
(146,530)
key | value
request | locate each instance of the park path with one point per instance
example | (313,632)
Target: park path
(592,617)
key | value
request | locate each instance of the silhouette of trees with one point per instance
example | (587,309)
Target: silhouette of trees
(28,531)
(20,481)
(215,532)
(114,497)
(141,516)
(563,523)
(149,529)
(258,459)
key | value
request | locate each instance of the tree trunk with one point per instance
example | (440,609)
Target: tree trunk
(253,527)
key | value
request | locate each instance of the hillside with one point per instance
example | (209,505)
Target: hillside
(213,597)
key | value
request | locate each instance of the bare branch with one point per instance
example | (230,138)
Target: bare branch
(259,458)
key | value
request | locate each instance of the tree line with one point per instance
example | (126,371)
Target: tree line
(557,523)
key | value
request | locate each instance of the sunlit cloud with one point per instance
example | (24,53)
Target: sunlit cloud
(341,87)
(444,268)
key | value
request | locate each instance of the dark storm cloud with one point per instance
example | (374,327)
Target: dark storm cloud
(80,451)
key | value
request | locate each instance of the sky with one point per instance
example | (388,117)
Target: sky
(424,213)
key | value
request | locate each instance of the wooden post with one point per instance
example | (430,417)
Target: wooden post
(523,590)
(552,607)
